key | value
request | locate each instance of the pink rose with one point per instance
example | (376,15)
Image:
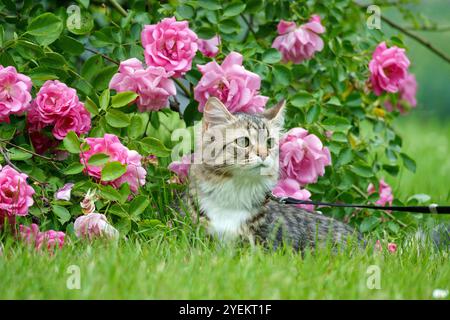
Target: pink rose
(388,68)
(54,100)
(232,84)
(16,196)
(64,192)
(385,192)
(78,120)
(392,247)
(15,94)
(153,85)
(378,247)
(111,145)
(297,44)
(41,142)
(407,94)
(169,44)
(181,168)
(303,156)
(209,48)
(32,236)
(56,105)
(291,188)
(94,225)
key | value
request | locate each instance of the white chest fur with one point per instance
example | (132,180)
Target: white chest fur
(231,204)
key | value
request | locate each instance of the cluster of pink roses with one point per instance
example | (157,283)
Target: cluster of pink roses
(389,73)
(297,44)
(16,197)
(303,159)
(15,93)
(32,236)
(169,48)
(56,105)
(111,146)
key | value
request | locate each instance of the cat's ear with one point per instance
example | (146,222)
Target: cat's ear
(276,114)
(215,113)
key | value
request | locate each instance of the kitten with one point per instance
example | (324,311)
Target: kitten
(237,169)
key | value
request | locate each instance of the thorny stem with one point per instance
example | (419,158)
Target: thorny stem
(118,7)
(103,55)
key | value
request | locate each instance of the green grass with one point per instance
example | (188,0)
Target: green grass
(186,266)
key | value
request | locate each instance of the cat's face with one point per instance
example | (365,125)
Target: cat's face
(241,144)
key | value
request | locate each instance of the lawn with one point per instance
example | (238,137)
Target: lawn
(187,266)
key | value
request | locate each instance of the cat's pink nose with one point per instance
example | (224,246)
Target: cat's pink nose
(262,153)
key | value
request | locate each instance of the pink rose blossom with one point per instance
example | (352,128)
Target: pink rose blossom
(303,156)
(392,247)
(94,225)
(111,145)
(64,192)
(77,120)
(232,84)
(16,196)
(53,101)
(291,188)
(385,192)
(388,68)
(32,236)
(181,168)
(297,44)
(56,105)
(378,247)
(153,85)
(407,94)
(169,44)
(15,94)
(209,48)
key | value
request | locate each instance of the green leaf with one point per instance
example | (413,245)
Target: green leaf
(113,170)
(70,45)
(72,143)
(409,163)
(233,9)
(123,98)
(185,11)
(271,56)
(205,32)
(282,75)
(154,146)
(79,22)
(101,81)
(345,157)
(62,213)
(301,99)
(138,205)
(46,28)
(334,101)
(313,113)
(92,67)
(110,193)
(337,124)
(369,224)
(104,99)
(117,119)
(98,159)
(362,170)
(138,125)
(18,154)
(91,106)
(209,4)
(73,168)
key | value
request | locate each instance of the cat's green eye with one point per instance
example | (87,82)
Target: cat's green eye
(270,143)
(243,142)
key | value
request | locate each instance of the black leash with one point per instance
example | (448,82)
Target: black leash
(432,208)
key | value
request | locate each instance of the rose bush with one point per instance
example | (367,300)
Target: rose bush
(80,110)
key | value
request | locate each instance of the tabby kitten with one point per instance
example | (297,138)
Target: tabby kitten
(233,173)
